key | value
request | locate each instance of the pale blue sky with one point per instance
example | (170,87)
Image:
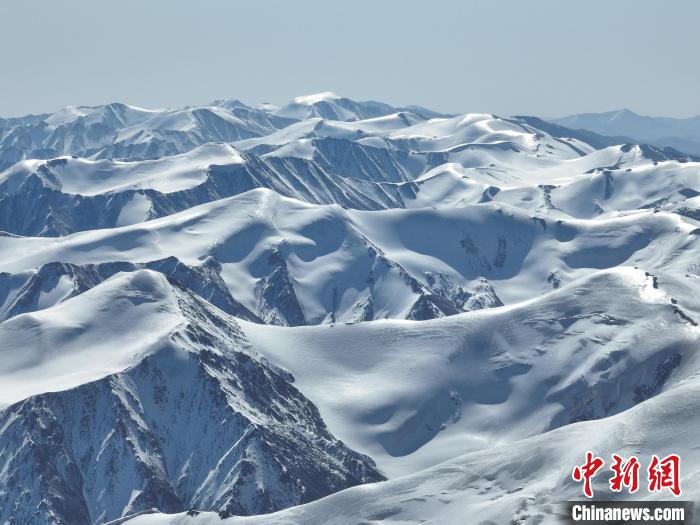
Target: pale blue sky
(547,58)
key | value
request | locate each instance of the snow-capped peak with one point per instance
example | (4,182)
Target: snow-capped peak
(315,98)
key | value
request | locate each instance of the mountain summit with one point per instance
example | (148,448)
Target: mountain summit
(679,133)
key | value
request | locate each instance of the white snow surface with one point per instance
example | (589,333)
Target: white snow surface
(480,410)
(526,481)
(94,177)
(99,332)
(414,393)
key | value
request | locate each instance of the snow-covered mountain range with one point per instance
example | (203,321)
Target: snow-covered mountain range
(679,133)
(229,311)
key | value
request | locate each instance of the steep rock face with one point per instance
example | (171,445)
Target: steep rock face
(199,422)
(435,296)
(277,301)
(39,208)
(55,282)
(446,492)
(38,205)
(352,160)
(476,295)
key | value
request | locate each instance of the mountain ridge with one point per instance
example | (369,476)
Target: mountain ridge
(223,311)
(137,455)
(680,133)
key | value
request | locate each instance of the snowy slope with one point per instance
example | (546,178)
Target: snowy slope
(329,105)
(122,131)
(289,262)
(127,132)
(86,336)
(55,282)
(400,159)
(91,425)
(241,309)
(523,482)
(586,351)
(90,177)
(328,264)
